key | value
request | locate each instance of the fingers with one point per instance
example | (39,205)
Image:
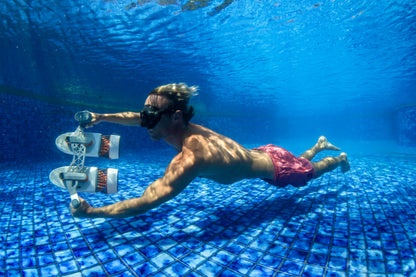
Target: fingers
(94,120)
(82,210)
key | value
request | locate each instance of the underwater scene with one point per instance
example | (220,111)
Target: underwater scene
(208,138)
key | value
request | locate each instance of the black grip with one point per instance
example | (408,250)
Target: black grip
(75,203)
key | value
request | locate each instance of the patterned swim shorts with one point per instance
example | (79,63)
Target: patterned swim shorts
(289,170)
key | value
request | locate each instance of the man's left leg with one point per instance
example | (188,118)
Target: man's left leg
(322,144)
(330,163)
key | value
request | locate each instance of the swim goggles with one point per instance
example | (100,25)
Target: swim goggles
(151,115)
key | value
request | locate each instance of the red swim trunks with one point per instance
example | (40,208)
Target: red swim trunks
(289,170)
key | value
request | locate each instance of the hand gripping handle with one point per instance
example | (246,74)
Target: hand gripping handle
(83,118)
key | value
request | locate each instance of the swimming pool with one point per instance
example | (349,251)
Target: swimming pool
(358,224)
(269,72)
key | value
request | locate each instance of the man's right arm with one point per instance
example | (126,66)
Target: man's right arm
(124,118)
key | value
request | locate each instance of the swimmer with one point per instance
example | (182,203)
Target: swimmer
(204,153)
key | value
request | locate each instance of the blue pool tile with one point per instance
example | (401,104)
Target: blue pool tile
(406,254)
(29,272)
(88,261)
(81,251)
(261,271)
(319,248)
(374,244)
(251,254)
(29,262)
(179,251)
(107,255)
(99,245)
(223,257)
(339,252)
(210,269)
(375,254)
(94,271)
(50,270)
(44,249)
(291,267)
(45,259)
(12,273)
(356,235)
(163,259)
(340,242)
(302,245)
(145,269)
(235,248)
(166,243)
(63,255)
(387,244)
(60,246)
(320,239)
(68,267)
(261,245)
(278,250)
(230,273)
(206,250)
(115,266)
(357,266)
(337,263)
(287,241)
(12,253)
(297,255)
(42,240)
(124,249)
(358,254)
(150,251)
(317,259)
(140,243)
(313,271)
(270,261)
(193,260)
(218,241)
(180,236)
(265,236)
(205,235)
(241,266)
(192,243)
(244,239)
(127,274)
(376,267)
(177,269)
(409,265)
(133,258)
(334,273)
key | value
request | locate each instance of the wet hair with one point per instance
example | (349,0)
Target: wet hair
(179,95)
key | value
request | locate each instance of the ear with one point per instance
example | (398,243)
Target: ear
(177,115)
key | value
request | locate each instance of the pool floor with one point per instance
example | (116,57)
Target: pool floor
(362,223)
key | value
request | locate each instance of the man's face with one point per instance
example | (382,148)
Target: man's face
(161,129)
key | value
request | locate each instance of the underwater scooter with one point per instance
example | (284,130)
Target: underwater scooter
(78,178)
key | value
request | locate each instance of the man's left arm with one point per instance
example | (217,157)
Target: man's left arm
(180,172)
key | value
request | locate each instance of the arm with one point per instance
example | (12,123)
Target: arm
(180,172)
(124,118)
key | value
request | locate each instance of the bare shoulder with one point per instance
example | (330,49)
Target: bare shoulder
(200,139)
(209,146)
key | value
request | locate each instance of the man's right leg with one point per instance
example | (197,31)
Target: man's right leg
(330,163)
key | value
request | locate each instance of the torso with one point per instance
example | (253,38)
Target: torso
(224,160)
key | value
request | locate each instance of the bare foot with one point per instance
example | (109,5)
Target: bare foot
(345,164)
(324,144)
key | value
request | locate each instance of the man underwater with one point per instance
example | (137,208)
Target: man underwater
(204,153)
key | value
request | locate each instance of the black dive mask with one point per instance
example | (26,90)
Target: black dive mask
(151,115)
